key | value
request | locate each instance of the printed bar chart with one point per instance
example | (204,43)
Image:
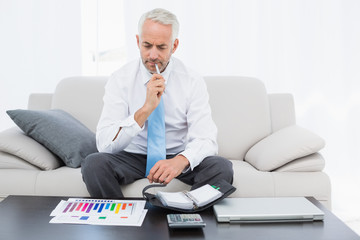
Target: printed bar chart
(99,211)
(83,206)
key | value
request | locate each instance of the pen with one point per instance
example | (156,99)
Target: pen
(157,69)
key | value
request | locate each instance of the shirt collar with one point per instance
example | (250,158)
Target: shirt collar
(146,75)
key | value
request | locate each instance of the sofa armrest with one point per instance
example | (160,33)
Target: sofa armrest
(282,110)
(40,101)
(13,141)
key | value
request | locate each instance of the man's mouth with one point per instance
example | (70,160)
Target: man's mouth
(153,63)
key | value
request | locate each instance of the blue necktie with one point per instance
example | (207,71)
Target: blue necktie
(156,144)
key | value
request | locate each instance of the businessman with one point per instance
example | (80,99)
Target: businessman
(156,121)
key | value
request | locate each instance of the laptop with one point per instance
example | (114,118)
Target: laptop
(260,210)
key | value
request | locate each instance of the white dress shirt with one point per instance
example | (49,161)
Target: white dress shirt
(190,130)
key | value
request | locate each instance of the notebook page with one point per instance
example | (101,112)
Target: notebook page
(204,195)
(175,199)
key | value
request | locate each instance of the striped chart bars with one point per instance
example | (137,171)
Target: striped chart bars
(99,211)
(92,206)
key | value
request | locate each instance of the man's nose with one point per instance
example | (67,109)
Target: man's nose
(154,53)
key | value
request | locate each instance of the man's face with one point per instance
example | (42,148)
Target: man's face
(156,45)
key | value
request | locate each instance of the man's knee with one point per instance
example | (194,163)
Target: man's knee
(219,163)
(221,167)
(92,164)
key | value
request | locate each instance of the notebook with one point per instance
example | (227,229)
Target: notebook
(219,188)
(282,209)
(188,199)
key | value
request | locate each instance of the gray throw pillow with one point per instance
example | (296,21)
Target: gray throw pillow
(57,130)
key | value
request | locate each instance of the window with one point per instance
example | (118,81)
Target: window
(103,42)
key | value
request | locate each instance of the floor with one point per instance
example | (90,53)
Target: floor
(351,220)
(346,200)
(354,225)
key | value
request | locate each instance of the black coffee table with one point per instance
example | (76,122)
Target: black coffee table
(27,217)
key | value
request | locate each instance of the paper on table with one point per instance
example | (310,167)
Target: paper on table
(135,221)
(100,212)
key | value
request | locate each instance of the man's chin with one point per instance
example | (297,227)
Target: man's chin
(150,67)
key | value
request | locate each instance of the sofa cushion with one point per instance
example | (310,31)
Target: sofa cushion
(57,130)
(13,141)
(282,147)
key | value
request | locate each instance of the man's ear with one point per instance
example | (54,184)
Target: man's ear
(138,41)
(176,44)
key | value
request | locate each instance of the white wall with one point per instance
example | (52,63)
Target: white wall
(40,43)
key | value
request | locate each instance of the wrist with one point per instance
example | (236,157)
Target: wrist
(142,115)
(184,161)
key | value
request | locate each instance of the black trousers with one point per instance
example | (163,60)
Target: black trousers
(104,173)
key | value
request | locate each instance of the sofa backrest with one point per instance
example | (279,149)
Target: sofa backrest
(82,97)
(240,108)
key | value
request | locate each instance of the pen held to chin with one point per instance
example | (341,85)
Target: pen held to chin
(157,69)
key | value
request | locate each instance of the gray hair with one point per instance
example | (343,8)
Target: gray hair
(161,16)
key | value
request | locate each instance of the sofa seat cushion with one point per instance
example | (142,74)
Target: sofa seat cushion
(18,146)
(282,147)
(311,163)
(57,130)
(250,182)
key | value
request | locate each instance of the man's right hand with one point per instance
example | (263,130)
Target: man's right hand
(154,90)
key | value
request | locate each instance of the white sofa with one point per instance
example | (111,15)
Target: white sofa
(271,155)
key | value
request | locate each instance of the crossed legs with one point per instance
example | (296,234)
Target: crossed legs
(104,173)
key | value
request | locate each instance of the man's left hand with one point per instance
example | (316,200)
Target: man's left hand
(166,170)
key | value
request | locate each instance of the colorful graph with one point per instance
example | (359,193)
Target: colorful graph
(101,207)
(98,211)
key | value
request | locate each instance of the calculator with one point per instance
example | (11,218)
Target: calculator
(185,221)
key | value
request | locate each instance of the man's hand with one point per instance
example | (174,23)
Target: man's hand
(166,170)
(154,90)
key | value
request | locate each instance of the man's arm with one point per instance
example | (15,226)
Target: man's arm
(202,132)
(115,121)
(154,90)
(114,135)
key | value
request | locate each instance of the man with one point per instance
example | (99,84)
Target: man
(131,95)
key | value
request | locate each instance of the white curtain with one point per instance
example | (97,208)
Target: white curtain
(309,48)
(40,43)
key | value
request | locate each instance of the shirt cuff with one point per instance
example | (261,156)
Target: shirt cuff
(192,163)
(129,126)
(189,167)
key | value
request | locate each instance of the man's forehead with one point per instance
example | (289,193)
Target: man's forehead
(157,43)
(156,29)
